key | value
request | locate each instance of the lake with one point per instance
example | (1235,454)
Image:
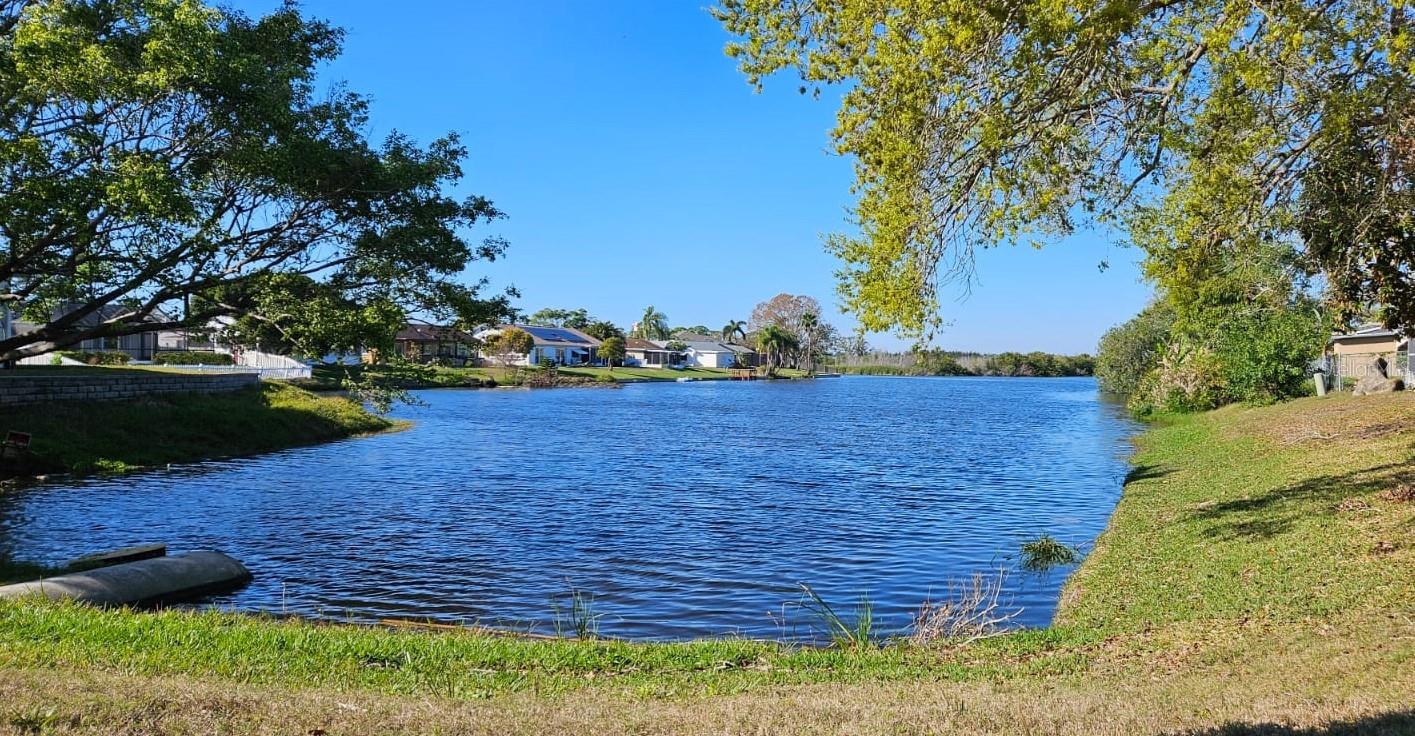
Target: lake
(685,509)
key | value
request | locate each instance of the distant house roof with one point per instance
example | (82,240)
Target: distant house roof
(706,346)
(1367,331)
(419,332)
(557,337)
(638,343)
(738,349)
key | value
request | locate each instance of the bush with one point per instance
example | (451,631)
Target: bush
(193,358)
(97,357)
(1130,351)
(1267,356)
(1186,379)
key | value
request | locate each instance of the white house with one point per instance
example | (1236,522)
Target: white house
(704,354)
(559,345)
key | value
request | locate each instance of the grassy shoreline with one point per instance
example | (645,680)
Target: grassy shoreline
(122,436)
(1257,576)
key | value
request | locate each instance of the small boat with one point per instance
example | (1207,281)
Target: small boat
(684,379)
(827,375)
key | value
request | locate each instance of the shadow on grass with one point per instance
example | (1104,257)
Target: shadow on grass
(1274,512)
(1145,472)
(1384,724)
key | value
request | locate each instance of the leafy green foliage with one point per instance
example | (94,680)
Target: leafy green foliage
(1189,125)
(296,315)
(1357,219)
(1186,379)
(192,358)
(551,317)
(1038,364)
(653,325)
(612,350)
(1130,350)
(161,154)
(775,343)
(511,344)
(1266,355)
(97,357)
(733,331)
(603,330)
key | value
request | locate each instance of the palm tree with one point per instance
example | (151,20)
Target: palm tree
(734,329)
(809,323)
(653,325)
(773,341)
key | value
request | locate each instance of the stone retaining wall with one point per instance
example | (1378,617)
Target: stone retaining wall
(20,390)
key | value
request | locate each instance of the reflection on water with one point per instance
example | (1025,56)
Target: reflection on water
(686,509)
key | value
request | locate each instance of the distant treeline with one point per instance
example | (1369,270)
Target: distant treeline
(953,363)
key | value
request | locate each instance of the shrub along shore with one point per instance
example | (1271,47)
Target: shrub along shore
(1252,579)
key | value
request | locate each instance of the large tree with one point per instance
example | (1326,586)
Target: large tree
(157,154)
(1190,126)
(783,310)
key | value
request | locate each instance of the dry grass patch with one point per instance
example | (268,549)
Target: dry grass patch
(1336,418)
(1349,677)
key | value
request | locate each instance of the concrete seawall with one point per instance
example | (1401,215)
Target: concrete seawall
(144,581)
(21,390)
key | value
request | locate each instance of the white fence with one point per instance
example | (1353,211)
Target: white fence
(272,366)
(266,365)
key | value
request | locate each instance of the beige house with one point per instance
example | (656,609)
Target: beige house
(1351,354)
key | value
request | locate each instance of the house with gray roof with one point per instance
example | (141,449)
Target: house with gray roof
(558,345)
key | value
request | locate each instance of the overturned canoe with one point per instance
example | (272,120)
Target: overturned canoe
(143,581)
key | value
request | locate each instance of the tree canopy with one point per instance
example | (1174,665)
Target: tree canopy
(158,155)
(552,317)
(1190,127)
(612,350)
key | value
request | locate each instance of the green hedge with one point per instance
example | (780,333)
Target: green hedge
(192,358)
(97,357)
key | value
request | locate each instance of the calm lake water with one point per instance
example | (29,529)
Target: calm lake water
(687,510)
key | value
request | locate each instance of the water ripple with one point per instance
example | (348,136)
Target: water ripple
(686,509)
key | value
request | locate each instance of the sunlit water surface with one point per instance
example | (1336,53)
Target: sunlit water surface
(686,510)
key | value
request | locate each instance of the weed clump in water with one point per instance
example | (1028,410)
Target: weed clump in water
(1045,552)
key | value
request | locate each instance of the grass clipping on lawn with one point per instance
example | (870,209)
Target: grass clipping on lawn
(115,436)
(1247,583)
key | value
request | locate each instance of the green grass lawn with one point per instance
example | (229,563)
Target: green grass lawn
(1258,576)
(171,428)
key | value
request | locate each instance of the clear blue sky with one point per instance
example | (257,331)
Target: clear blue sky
(637,167)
